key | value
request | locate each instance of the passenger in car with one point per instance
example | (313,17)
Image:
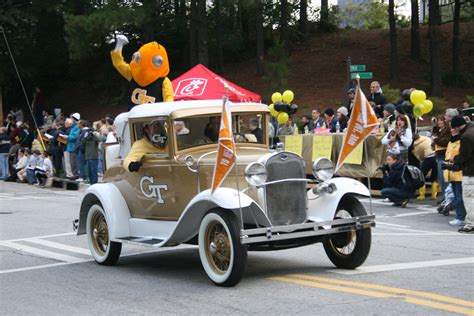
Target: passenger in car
(212,128)
(154,140)
(255,129)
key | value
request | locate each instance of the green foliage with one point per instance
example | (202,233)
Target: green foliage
(391,94)
(368,15)
(403,21)
(276,68)
(439,105)
(470,100)
(462,80)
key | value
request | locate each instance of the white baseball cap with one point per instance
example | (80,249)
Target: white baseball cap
(76,116)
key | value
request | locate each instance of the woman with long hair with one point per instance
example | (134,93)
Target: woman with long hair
(399,138)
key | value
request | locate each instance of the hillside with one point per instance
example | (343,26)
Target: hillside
(317,72)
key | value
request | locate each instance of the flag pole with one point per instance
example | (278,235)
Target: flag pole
(226,98)
(366,157)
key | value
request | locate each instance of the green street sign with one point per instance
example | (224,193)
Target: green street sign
(362,75)
(357,68)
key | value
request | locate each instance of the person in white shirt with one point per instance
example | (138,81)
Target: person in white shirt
(399,138)
(45,170)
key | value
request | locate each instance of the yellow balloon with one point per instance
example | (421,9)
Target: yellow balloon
(288,96)
(276,97)
(417,96)
(282,118)
(427,106)
(273,112)
(418,110)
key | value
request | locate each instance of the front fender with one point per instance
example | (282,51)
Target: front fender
(114,205)
(324,207)
(225,198)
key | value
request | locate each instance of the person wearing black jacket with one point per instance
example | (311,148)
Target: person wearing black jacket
(464,161)
(394,188)
(376,99)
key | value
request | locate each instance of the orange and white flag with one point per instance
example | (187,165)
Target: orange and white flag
(361,123)
(226,148)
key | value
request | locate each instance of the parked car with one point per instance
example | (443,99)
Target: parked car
(266,203)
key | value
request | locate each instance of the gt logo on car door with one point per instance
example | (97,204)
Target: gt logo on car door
(152,190)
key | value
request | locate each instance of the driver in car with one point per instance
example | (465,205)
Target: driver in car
(154,140)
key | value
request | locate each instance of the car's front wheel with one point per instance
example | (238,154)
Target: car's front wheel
(349,250)
(104,251)
(223,257)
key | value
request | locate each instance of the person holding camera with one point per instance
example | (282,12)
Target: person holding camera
(452,169)
(399,139)
(394,187)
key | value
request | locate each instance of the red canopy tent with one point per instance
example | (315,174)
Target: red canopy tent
(200,83)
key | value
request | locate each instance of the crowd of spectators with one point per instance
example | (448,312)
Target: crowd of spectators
(62,146)
(444,153)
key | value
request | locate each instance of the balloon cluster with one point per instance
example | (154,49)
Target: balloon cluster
(420,104)
(281,108)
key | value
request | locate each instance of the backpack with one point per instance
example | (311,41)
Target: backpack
(413,177)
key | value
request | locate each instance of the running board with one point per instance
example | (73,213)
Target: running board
(140,241)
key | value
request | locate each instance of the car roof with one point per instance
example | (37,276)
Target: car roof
(181,108)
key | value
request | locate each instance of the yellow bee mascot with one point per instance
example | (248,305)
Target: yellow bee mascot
(147,72)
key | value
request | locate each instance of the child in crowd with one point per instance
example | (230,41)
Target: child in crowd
(21,173)
(34,160)
(45,170)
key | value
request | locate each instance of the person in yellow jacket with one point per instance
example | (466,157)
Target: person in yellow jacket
(147,72)
(424,152)
(453,174)
(154,140)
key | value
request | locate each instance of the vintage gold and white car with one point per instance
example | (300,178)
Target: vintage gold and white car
(266,203)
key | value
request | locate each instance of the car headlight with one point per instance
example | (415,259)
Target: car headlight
(323,169)
(256,174)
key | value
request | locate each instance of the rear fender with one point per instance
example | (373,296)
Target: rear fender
(114,205)
(323,208)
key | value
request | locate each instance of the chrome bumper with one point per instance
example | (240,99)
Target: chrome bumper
(269,234)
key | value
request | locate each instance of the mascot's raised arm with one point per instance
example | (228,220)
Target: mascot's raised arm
(147,72)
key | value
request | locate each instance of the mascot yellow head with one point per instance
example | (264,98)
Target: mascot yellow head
(149,64)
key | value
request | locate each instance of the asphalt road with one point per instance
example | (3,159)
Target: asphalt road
(418,265)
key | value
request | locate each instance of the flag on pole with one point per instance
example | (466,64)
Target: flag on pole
(226,148)
(361,122)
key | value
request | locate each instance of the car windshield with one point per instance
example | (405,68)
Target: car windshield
(196,131)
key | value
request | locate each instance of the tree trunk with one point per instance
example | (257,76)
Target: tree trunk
(324,19)
(457,9)
(393,41)
(284,23)
(203,54)
(260,38)
(415,31)
(303,22)
(193,60)
(220,37)
(435,52)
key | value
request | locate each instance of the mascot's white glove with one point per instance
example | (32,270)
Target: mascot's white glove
(120,41)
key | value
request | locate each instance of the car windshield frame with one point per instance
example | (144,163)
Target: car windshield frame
(242,133)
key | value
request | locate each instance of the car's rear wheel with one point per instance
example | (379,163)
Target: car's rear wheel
(349,250)
(223,257)
(104,251)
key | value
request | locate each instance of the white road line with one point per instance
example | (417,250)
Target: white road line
(426,232)
(39,237)
(405,266)
(419,234)
(415,213)
(35,267)
(42,253)
(57,245)
(88,260)
(390,224)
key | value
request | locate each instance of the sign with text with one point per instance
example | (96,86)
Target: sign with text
(322,147)
(294,144)
(357,68)
(362,75)
(355,157)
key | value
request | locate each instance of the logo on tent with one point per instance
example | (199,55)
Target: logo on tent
(191,87)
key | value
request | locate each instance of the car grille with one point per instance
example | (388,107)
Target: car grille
(285,201)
